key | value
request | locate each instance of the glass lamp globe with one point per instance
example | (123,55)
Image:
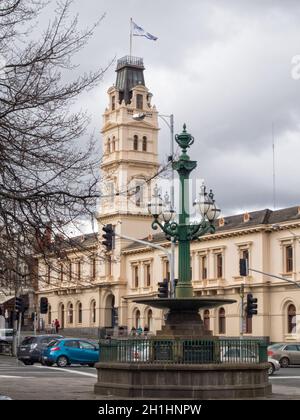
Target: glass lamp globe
(203,201)
(168,211)
(155,206)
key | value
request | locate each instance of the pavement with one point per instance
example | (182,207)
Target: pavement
(38,382)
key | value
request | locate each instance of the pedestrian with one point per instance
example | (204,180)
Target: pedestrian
(53,328)
(57,325)
(133,331)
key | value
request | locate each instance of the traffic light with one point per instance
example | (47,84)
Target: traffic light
(108,237)
(251,308)
(18,304)
(244,272)
(43,305)
(163,288)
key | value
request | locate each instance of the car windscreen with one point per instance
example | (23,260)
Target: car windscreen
(53,343)
(28,340)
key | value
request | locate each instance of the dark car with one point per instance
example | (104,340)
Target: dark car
(30,350)
(70,350)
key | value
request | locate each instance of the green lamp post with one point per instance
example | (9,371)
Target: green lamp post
(183,231)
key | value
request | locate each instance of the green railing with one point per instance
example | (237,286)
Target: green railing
(152,351)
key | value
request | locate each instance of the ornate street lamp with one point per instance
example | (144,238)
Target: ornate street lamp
(182,231)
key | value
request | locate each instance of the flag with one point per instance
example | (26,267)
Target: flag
(138,31)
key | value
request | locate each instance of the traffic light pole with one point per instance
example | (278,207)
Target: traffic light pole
(242,295)
(276,277)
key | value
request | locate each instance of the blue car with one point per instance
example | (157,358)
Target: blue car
(66,351)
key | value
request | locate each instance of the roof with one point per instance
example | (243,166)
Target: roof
(256,218)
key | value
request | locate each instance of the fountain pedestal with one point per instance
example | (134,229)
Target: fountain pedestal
(183,361)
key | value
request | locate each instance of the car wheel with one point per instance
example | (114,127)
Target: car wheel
(48,363)
(62,361)
(284,362)
(91,364)
(271,369)
(27,362)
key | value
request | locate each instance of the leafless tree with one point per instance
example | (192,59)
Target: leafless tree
(46,174)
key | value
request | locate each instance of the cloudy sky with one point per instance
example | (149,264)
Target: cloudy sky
(223,67)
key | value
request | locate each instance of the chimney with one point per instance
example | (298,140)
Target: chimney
(246,217)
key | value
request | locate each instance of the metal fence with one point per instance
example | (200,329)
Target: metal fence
(155,351)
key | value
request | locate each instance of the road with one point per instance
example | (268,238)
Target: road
(39,382)
(286,383)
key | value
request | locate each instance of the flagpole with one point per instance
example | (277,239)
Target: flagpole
(130,37)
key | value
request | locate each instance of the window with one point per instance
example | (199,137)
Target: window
(79,313)
(85,345)
(113,145)
(49,314)
(248,324)
(206,320)
(219,258)
(166,273)
(289,259)
(138,195)
(70,313)
(291,312)
(93,312)
(137,319)
(203,267)
(78,270)
(147,275)
(222,321)
(61,273)
(149,320)
(139,101)
(291,347)
(71,343)
(48,274)
(136,276)
(144,144)
(135,142)
(113,103)
(70,270)
(93,268)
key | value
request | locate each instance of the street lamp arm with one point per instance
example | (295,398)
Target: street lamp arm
(195,231)
(170,229)
(276,277)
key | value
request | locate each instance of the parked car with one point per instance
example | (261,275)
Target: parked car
(70,350)
(239,355)
(286,353)
(274,365)
(30,350)
(6,335)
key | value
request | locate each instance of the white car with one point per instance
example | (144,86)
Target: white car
(274,365)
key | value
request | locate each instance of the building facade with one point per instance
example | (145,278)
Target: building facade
(92,289)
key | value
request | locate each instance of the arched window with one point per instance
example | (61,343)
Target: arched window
(291,312)
(79,313)
(144,144)
(49,314)
(93,312)
(222,321)
(139,101)
(70,313)
(206,320)
(137,319)
(149,318)
(113,144)
(248,324)
(135,142)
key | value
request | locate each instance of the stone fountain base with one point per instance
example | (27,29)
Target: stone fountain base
(180,377)
(200,382)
